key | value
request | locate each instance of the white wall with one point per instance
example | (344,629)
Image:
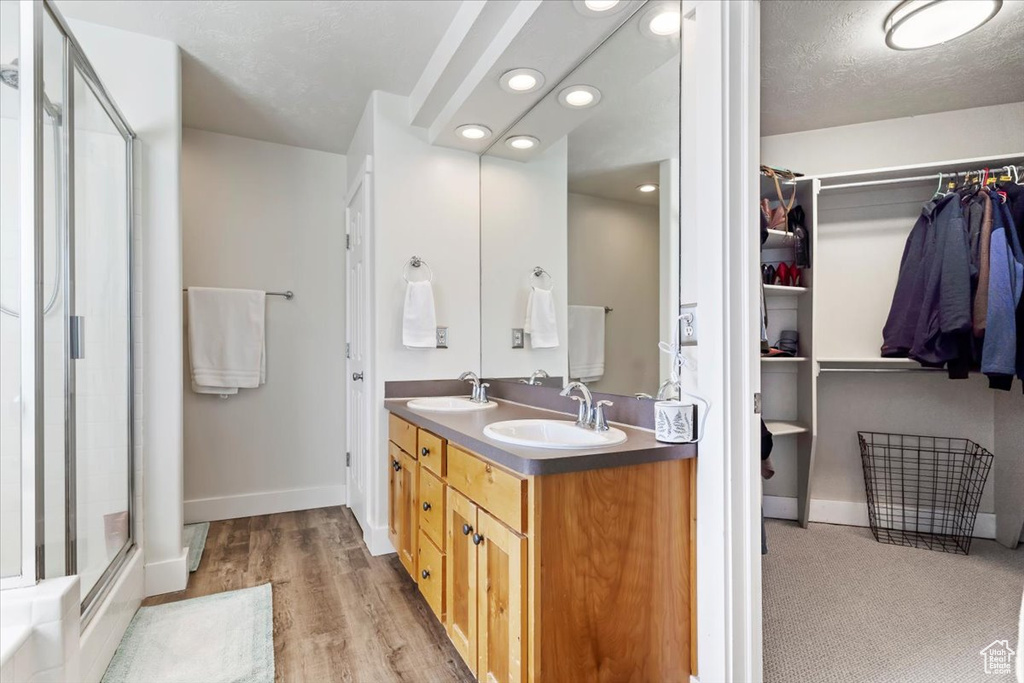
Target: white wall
(425,202)
(523,224)
(143,76)
(265,216)
(614,261)
(860,242)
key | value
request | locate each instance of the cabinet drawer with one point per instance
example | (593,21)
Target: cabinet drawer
(431,576)
(402,434)
(432,452)
(432,507)
(500,493)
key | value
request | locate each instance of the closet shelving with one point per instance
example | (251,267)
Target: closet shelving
(788,383)
(858,223)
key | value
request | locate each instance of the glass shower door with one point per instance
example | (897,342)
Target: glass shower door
(99,334)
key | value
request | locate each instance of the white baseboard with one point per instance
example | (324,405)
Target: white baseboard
(103,635)
(377,541)
(852,514)
(167,576)
(263,503)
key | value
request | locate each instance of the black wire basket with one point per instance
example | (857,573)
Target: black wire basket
(923,491)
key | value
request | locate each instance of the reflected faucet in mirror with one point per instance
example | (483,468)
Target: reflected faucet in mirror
(535,378)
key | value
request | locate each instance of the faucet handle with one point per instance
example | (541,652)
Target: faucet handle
(600,421)
(481,393)
(582,418)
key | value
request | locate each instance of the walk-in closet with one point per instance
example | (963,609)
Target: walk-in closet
(893,479)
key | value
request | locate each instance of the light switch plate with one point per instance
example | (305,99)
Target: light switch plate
(442,337)
(688,325)
(517,338)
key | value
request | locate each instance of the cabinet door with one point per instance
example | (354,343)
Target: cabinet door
(501,602)
(408,531)
(394,493)
(460,588)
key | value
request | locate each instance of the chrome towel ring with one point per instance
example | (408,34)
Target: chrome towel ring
(540,274)
(417,262)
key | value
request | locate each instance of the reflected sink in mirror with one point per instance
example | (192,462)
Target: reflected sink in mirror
(552,434)
(449,404)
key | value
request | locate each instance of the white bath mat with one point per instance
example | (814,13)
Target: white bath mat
(222,638)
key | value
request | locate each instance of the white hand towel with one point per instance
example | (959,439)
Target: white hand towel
(227,339)
(419,320)
(541,323)
(586,343)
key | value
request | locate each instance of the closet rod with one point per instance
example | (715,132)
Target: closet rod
(913,179)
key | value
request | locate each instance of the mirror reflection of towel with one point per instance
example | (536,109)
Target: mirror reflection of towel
(586,343)
(541,323)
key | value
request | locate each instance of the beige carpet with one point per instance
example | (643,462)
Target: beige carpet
(841,607)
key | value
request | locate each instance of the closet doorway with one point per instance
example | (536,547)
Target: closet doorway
(893,495)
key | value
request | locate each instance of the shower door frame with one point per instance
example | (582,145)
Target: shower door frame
(75,64)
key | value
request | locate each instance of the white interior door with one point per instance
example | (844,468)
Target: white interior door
(358,335)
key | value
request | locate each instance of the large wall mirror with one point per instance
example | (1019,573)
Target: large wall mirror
(580,218)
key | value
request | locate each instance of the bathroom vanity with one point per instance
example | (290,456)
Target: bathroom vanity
(543,564)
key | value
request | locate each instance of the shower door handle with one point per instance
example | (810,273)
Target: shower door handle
(77,341)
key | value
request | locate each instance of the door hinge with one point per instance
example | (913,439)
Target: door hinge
(348,350)
(348,459)
(757,403)
(348,241)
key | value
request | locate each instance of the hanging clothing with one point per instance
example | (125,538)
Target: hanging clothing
(1006,281)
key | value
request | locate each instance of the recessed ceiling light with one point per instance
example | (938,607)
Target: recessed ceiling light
(595,8)
(522,142)
(663,20)
(522,80)
(922,23)
(647,187)
(579,96)
(474,131)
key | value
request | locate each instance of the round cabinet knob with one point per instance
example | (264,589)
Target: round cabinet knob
(424,573)
(426,506)
(424,451)
(477,539)
(467,529)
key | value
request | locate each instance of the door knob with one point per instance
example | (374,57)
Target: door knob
(357,377)
(477,539)
(467,529)
(426,506)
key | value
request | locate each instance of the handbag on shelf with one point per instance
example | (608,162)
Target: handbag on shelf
(778,217)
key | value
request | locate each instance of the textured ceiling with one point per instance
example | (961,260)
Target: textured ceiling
(296,72)
(824,63)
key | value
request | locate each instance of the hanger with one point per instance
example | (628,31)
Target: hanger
(938,188)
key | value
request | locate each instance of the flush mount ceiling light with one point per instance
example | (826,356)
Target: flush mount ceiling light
(647,187)
(662,21)
(595,8)
(522,80)
(922,23)
(579,96)
(521,142)
(474,131)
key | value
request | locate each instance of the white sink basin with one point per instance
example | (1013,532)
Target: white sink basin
(449,404)
(552,434)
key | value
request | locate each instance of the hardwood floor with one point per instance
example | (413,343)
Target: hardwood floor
(339,614)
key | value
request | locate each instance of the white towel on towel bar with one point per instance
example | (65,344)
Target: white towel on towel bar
(541,322)
(586,343)
(226,339)
(419,319)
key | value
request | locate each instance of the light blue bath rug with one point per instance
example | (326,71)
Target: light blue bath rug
(195,538)
(222,638)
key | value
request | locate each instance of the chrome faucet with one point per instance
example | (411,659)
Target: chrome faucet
(479,394)
(535,378)
(668,390)
(586,400)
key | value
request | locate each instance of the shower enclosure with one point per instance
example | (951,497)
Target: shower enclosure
(66,384)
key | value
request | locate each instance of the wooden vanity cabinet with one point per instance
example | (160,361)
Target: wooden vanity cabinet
(613,601)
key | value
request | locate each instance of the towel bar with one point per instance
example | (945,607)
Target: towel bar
(287,295)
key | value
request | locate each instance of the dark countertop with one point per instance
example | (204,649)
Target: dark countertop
(467,430)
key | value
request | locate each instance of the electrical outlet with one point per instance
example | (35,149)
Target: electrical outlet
(442,337)
(517,338)
(688,325)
